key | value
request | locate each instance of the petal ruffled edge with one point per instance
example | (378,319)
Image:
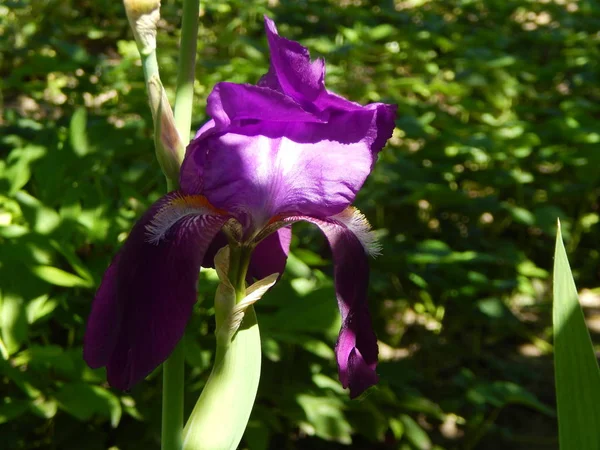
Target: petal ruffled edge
(232,103)
(147,294)
(292,72)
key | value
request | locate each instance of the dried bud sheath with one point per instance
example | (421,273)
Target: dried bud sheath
(143,16)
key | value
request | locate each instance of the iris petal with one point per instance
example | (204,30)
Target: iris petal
(265,169)
(269,256)
(356,349)
(286,146)
(230,102)
(291,69)
(105,319)
(147,294)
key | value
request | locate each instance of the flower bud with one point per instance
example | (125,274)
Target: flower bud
(169,147)
(143,18)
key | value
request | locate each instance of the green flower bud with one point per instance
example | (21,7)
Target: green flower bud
(169,147)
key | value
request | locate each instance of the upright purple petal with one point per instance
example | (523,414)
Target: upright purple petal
(286,146)
(147,294)
(268,168)
(292,72)
(356,350)
(231,103)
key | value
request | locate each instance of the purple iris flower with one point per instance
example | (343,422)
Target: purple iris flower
(273,154)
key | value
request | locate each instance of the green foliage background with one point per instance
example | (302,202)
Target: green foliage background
(497,136)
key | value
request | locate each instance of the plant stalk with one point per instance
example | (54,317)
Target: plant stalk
(172,399)
(184,95)
(173,368)
(221,414)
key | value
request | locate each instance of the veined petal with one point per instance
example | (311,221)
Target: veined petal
(357,223)
(230,102)
(266,169)
(286,146)
(176,208)
(147,294)
(351,241)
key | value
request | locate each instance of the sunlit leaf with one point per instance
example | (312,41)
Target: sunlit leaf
(40,307)
(576,367)
(414,433)
(83,400)
(13,321)
(325,418)
(59,277)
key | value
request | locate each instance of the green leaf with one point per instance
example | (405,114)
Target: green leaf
(46,358)
(40,307)
(19,173)
(82,400)
(11,409)
(397,428)
(314,312)
(501,393)
(296,267)
(257,435)
(414,433)
(59,277)
(44,219)
(77,132)
(576,368)
(325,418)
(382,31)
(69,253)
(13,322)
(422,405)
(44,407)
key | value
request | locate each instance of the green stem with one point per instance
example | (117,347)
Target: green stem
(172,400)
(173,368)
(184,95)
(239,261)
(221,414)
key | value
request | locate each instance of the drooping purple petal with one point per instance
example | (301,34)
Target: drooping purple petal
(356,350)
(105,318)
(147,294)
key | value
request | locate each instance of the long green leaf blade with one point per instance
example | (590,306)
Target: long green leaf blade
(576,368)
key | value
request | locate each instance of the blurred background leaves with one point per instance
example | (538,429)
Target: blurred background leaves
(497,136)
